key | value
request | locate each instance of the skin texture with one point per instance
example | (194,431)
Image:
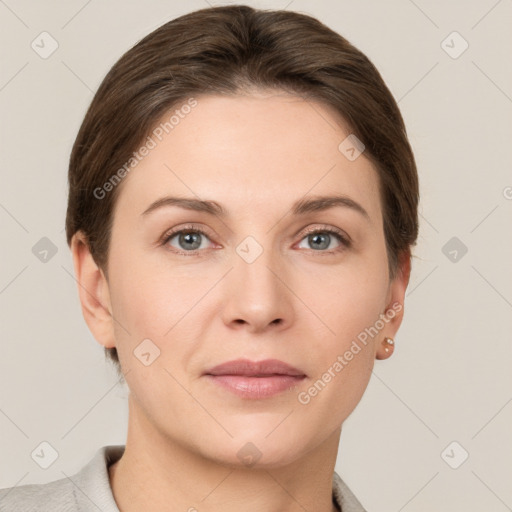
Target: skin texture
(255,154)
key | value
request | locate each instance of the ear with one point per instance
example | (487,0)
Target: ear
(93,291)
(394,311)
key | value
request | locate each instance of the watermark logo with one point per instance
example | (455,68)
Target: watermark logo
(454,455)
(351,147)
(454,45)
(146,352)
(44,45)
(44,250)
(454,249)
(249,249)
(249,454)
(44,455)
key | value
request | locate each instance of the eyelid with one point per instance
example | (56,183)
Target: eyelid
(326,228)
(185,227)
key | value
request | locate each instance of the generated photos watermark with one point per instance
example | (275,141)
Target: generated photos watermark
(150,143)
(304,397)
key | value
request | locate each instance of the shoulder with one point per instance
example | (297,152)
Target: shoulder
(56,496)
(89,489)
(344,497)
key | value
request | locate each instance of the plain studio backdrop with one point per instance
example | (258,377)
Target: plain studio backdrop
(432,431)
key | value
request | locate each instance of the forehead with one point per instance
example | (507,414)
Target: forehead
(250,150)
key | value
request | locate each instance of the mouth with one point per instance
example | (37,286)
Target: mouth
(255,379)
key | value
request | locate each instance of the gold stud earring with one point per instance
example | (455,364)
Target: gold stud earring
(390,344)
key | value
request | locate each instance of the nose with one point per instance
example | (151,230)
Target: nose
(256,297)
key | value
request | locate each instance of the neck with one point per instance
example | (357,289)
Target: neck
(160,474)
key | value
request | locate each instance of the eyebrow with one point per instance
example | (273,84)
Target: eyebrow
(300,207)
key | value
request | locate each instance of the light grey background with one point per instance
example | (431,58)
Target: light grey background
(450,378)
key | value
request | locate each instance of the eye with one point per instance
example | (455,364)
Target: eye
(322,239)
(187,240)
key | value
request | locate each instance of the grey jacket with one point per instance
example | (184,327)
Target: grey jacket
(89,490)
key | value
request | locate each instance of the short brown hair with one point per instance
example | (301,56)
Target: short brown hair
(225,50)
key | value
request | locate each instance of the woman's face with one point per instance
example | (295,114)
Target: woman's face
(251,282)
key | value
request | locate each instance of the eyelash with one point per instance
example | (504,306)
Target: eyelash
(343,239)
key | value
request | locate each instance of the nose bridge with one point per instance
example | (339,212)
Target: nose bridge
(256,295)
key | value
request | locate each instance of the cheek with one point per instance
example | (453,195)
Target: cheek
(345,302)
(151,297)
(343,356)
(335,390)
(161,304)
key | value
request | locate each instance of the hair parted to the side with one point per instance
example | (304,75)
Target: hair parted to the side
(228,50)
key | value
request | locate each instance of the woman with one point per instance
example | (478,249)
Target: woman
(242,207)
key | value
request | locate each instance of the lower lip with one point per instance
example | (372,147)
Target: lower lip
(256,387)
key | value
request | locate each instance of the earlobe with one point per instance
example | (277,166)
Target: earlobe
(395,308)
(93,291)
(386,348)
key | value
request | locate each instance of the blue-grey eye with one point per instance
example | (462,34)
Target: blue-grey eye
(321,240)
(188,240)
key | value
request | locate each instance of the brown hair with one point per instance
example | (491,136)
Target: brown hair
(226,50)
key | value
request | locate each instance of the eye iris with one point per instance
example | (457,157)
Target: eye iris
(320,240)
(190,238)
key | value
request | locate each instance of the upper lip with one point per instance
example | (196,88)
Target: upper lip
(250,368)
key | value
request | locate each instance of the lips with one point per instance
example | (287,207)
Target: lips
(249,368)
(255,379)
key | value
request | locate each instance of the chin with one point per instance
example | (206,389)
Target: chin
(257,449)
